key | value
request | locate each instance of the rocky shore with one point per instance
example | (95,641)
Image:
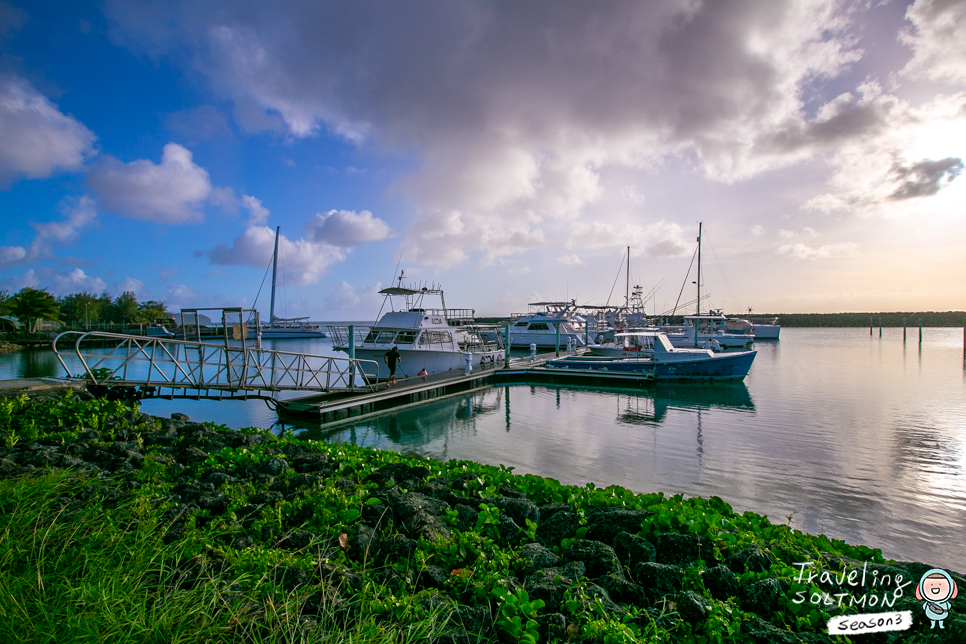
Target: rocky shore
(353,533)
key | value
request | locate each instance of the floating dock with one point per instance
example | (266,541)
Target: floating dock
(338,406)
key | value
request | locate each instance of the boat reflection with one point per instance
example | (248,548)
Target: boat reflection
(412,428)
(652,407)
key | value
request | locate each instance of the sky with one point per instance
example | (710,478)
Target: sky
(508,152)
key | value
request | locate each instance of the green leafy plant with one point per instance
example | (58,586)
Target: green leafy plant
(517,615)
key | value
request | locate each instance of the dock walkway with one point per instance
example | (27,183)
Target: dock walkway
(338,406)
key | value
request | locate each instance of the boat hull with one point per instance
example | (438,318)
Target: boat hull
(723,366)
(412,361)
(767,331)
(290,334)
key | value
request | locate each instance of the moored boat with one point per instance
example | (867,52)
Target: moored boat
(659,357)
(286,328)
(430,340)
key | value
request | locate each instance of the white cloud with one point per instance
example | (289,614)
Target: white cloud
(129,283)
(757,230)
(259,213)
(306,261)
(569,260)
(37,139)
(828,251)
(657,239)
(76,281)
(938,40)
(346,229)
(14,284)
(78,213)
(170,192)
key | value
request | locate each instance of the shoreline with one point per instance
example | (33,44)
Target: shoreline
(600,560)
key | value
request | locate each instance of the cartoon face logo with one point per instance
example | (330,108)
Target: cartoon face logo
(936,588)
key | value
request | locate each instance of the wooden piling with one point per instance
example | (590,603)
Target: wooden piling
(903,329)
(870,327)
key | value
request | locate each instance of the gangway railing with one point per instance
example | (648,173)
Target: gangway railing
(179,364)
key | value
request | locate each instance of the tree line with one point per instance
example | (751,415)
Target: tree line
(31,305)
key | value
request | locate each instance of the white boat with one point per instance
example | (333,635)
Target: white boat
(286,328)
(702,330)
(658,357)
(541,327)
(765,328)
(428,339)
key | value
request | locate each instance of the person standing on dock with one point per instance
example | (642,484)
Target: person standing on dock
(391,358)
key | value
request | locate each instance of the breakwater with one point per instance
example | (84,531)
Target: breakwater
(346,537)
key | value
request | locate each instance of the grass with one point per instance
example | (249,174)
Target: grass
(87,572)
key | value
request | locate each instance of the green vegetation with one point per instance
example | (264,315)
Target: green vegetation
(910,319)
(116,526)
(31,305)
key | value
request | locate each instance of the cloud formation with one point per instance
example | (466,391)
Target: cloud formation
(827,251)
(76,281)
(346,229)
(36,138)
(171,192)
(518,112)
(938,40)
(78,214)
(304,260)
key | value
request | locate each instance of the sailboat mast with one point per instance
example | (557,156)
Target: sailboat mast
(271,314)
(699,271)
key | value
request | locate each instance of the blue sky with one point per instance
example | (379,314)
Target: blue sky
(507,151)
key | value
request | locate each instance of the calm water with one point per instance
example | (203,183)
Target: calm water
(862,438)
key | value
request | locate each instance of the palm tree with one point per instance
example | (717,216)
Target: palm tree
(32,305)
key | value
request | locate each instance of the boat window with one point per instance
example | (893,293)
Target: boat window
(406,337)
(371,336)
(435,338)
(520,324)
(385,337)
(538,326)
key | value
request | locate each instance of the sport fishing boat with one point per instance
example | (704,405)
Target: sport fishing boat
(657,356)
(428,339)
(541,327)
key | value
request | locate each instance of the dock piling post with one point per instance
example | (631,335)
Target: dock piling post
(506,346)
(352,356)
(586,333)
(880,326)
(557,337)
(870,327)
(920,331)
(903,329)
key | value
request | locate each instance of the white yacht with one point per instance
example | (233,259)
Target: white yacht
(428,339)
(540,327)
(702,330)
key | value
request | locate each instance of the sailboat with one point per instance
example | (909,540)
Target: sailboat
(286,328)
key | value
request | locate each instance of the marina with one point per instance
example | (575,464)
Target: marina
(854,435)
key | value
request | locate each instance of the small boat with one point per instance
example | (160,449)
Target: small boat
(158,331)
(765,328)
(702,330)
(428,339)
(286,328)
(659,357)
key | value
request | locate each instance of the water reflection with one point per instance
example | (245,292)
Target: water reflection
(652,407)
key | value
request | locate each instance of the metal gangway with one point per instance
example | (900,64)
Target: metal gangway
(233,363)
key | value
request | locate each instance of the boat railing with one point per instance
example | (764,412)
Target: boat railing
(339,335)
(179,364)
